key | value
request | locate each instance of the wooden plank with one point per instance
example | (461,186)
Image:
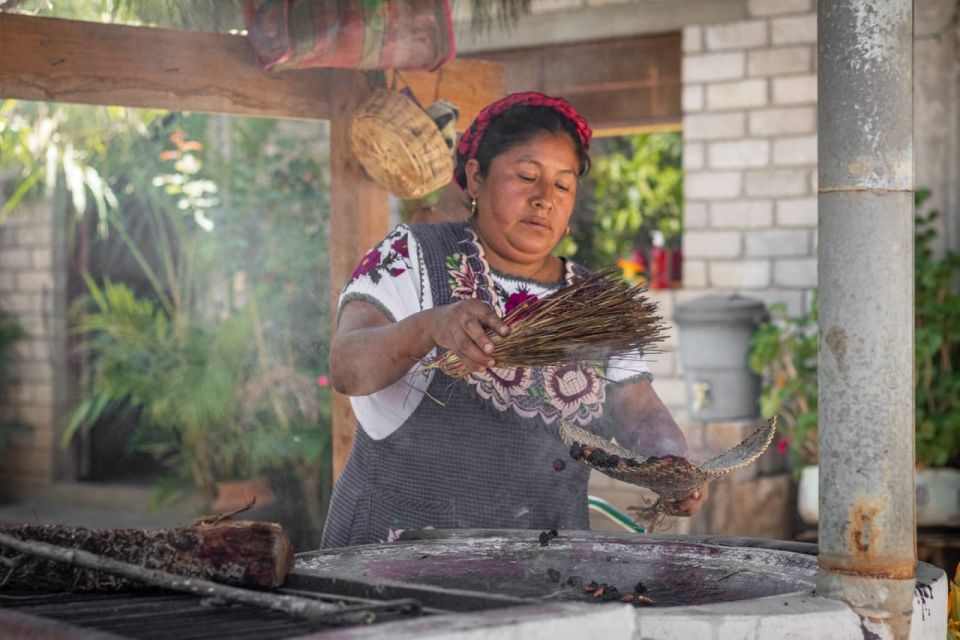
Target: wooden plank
(106,64)
(50,59)
(625,83)
(358,221)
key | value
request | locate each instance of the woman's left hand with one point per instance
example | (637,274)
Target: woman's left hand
(690,505)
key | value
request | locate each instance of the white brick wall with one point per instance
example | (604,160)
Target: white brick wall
(797,212)
(739,154)
(771,243)
(740,274)
(741,214)
(736,35)
(736,95)
(714,126)
(713,184)
(750,118)
(795,90)
(794,30)
(783,121)
(773,62)
(776,7)
(798,150)
(777,182)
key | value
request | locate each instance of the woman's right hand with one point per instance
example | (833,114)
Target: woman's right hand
(462,328)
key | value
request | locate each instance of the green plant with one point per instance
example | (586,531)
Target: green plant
(41,143)
(220,352)
(784,351)
(638,189)
(182,374)
(937,340)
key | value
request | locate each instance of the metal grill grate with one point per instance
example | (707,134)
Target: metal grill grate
(157,615)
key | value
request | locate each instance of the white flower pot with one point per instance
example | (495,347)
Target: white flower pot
(938,496)
(808,494)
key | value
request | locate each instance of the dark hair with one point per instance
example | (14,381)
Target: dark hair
(521,123)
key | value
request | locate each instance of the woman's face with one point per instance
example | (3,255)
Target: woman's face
(525,200)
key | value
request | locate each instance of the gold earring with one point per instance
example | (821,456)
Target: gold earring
(568,229)
(473,206)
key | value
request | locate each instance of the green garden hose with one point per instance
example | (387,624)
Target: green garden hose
(602,506)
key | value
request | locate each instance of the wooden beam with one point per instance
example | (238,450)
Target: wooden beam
(54,60)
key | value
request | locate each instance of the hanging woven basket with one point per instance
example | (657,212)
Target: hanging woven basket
(400,146)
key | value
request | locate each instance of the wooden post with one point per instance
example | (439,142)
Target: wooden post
(358,220)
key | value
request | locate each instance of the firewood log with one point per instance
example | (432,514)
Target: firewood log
(234,552)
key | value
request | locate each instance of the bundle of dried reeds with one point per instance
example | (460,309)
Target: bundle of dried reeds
(586,322)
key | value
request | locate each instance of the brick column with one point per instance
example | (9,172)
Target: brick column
(31,290)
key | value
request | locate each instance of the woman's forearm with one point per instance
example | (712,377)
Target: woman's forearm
(370,352)
(366,359)
(645,423)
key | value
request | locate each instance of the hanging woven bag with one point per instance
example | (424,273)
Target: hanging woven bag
(352,34)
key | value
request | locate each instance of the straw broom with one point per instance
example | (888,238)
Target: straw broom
(586,323)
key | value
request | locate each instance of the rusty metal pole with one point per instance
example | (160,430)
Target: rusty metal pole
(867,510)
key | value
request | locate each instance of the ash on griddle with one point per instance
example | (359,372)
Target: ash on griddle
(546,536)
(604,592)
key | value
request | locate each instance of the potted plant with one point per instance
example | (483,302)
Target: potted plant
(784,353)
(937,374)
(183,376)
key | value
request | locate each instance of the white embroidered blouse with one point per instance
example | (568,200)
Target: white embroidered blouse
(391,277)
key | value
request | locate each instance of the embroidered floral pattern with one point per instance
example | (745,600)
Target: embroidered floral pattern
(400,245)
(520,298)
(571,392)
(571,387)
(463,279)
(378,261)
(368,263)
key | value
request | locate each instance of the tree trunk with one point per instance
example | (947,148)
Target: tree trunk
(235,552)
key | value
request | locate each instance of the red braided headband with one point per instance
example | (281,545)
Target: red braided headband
(470,140)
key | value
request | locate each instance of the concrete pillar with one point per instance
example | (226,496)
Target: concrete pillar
(867,511)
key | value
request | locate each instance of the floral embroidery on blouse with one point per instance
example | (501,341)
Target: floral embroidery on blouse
(375,263)
(463,279)
(571,392)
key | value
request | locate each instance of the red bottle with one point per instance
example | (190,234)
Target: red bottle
(676,267)
(659,263)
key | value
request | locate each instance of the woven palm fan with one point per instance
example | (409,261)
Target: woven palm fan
(672,478)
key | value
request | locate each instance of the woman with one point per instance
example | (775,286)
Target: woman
(483,451)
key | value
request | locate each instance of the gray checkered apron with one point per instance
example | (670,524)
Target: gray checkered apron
(463,464)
